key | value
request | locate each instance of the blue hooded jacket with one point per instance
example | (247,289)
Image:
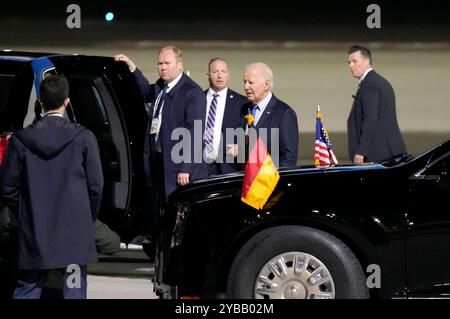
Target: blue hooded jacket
(52,181)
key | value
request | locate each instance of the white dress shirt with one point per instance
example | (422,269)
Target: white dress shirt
(364,75)
(220,110)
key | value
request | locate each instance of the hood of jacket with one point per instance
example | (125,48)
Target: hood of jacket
(49,136)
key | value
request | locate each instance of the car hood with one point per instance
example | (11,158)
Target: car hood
(233,181)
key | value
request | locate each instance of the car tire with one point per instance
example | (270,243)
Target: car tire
(330,269)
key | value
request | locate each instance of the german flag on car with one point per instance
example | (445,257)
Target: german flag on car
(260,177)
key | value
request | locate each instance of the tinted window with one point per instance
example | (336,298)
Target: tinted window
(16,81)
(5,85)
(87,104)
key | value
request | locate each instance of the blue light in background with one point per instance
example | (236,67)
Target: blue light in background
(109,16)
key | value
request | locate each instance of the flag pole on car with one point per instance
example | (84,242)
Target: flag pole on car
(323,149)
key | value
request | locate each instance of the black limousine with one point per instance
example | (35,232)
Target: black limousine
(374,231)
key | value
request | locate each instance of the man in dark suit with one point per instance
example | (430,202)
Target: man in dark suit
(373,131)
(52,182)
(176,103)
(223,112)
(274,120)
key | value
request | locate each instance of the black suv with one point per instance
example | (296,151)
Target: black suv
(105,99)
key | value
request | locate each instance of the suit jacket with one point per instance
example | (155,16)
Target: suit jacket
(231,119)
(183,104)
(372,125)
(281,116)
(52,182)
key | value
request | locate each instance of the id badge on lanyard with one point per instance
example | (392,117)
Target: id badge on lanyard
(156,125)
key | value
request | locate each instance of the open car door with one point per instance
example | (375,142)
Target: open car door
(105,99)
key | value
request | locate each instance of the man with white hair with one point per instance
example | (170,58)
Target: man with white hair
(270,113)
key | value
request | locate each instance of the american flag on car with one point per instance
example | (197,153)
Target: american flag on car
(323,150)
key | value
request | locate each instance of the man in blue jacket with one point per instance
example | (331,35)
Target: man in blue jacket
(176,102)
(52,181)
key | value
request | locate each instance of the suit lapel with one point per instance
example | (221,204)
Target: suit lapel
(355,101)
(245,110)
(177,86)
(159,85)
(357,96)
(228,105)
(269,109)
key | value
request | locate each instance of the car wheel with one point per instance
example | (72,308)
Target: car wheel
(295,262)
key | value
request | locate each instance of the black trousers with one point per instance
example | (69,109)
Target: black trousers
(214,169)
(156,199)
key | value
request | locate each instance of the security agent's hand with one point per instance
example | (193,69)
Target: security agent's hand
(123,58)
(358,159)
(232,149)
(183,179)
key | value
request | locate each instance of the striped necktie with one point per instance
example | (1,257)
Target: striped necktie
(209,131)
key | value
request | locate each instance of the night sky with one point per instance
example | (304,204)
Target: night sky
(228,20)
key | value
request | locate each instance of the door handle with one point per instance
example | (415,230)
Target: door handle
(435,178)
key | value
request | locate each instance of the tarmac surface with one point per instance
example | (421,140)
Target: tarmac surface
(127,274)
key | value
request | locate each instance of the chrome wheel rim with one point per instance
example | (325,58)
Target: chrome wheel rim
(294,275)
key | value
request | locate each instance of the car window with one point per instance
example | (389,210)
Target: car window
(31,115)
(16,81)
(5,85)
(87,104)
